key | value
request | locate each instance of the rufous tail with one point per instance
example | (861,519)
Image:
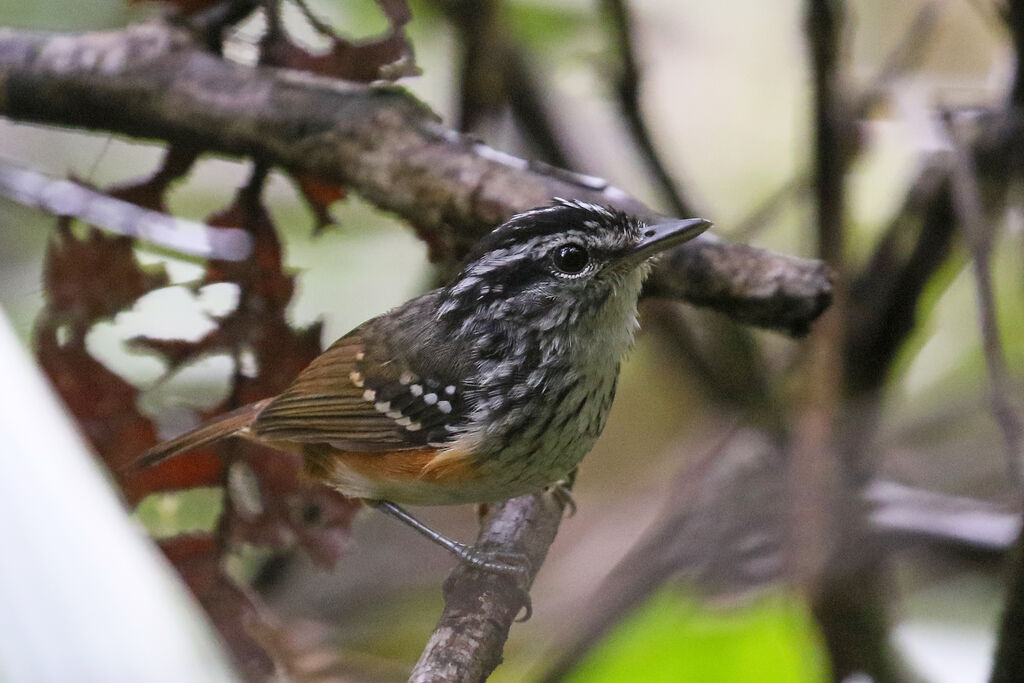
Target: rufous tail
(216,429)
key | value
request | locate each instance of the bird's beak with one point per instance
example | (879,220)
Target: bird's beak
(662,236)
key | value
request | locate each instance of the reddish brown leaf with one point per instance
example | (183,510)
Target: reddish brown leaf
(103,404)
(91,279)
(94,278)
(149,192)
(319,196)
(386,57)
(290,510)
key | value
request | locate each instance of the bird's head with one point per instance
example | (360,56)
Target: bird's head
(559,263)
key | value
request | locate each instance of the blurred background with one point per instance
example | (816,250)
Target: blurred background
(727,99)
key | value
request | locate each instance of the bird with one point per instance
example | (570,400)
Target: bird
(492,386)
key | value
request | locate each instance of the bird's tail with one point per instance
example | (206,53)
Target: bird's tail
(216,429)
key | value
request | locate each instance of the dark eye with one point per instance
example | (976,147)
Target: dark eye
(571,258)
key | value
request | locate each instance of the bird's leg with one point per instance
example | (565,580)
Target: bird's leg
(515,565)
(480,559)
(561,491)
(562,494)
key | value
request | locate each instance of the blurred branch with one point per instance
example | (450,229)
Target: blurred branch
(719,532)
(1009,656)
(467,642)
(628,88)
(884,297)
(723,529)
(151,81)
(494,74)
(906,54)
(978,222)
(727,364)
(482,62)
(824,22)
(68,198)
(927,516)
(1008,666)
(810,466)
(829,526)
(528,99)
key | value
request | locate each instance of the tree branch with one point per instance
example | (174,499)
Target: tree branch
(480,606)
(153,81)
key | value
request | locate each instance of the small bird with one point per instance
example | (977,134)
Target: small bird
(491,387)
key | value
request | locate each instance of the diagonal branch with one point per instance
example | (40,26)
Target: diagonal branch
(479,607)
(152,81)
(978,219)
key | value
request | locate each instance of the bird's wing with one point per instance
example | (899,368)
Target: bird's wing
(359,396)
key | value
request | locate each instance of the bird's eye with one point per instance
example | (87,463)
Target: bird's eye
(571,259)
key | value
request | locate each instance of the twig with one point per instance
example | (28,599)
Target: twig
(479,607)
(628,87)
(74,200)
(907,53)
(151,81)
(929,516)
(978,226)
(318,24)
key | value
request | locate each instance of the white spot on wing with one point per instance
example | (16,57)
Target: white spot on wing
(369,394)
(356,378)
(444,406)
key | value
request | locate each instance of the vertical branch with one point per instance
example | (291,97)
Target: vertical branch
(527,98)
(824,20)
(1009,656)
(810,477)
(482,90)
(1008,665)
(830,526)
(628,88)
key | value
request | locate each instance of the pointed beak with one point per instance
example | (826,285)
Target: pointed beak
(662,236)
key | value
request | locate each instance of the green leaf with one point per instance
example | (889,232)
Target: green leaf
(673,638)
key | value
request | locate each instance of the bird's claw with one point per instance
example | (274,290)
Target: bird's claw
(513,564)
(562,495)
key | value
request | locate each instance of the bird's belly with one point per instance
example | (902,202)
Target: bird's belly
(534,453)
(524,455)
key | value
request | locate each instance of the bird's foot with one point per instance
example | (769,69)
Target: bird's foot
(512,564)
(562,494)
